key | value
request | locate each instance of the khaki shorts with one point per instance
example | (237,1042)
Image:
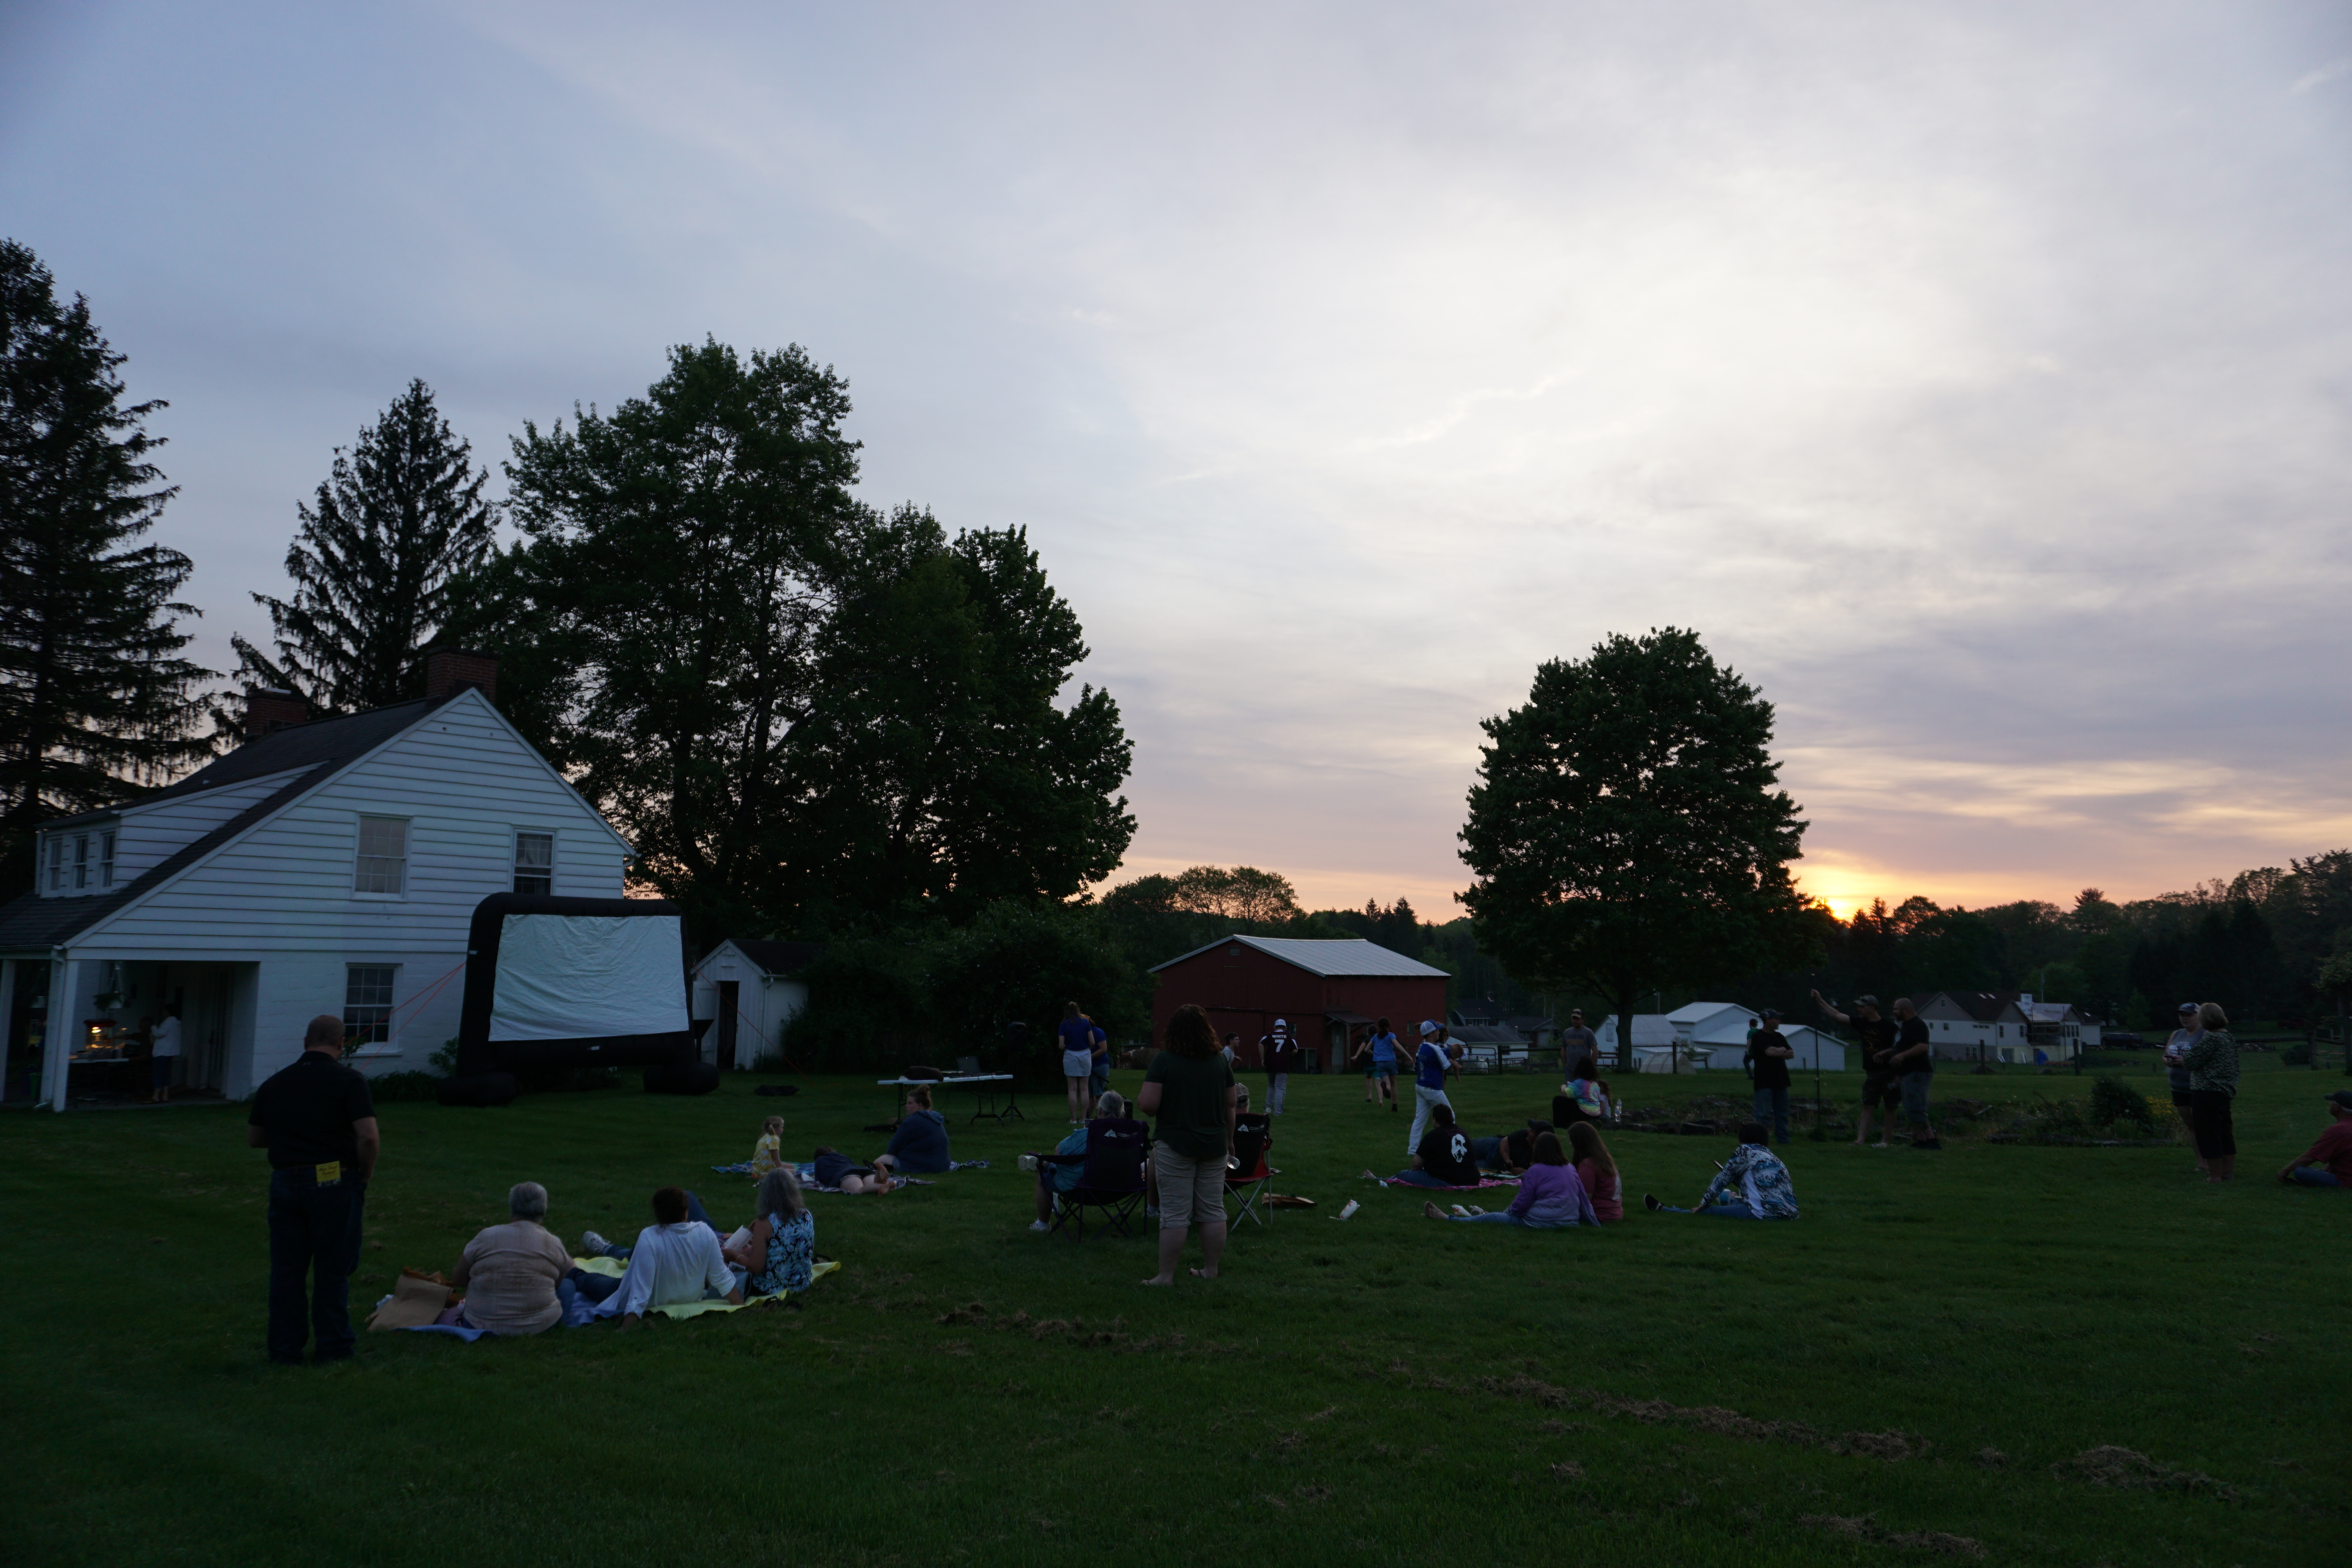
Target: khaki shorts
(1192,1192)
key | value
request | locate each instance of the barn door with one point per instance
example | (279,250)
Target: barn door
(730,991)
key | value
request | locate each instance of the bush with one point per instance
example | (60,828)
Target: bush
(392,1087)
(2114,1100)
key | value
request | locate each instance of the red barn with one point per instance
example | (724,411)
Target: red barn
(1330,991)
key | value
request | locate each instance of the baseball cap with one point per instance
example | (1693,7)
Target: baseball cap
(1866,1000)
(1770,1012)
(1427,1027)
(1282,1023)
(2186,1007)
(2342,1097)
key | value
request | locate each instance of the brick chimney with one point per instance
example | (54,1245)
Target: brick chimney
(449,670)
(266,711)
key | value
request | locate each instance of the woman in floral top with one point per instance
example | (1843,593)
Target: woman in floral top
(2212,1064)
(781,1252)
(1754,1183)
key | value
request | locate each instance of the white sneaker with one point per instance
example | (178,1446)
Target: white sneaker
(1039,1224)
(1460,1212)
(592,1244)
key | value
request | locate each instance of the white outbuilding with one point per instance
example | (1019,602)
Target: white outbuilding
(751,990)
(332,867)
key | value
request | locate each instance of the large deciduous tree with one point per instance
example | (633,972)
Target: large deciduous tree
(94,698)
(1627,833)
(937,771)
(400,518)
(655,621)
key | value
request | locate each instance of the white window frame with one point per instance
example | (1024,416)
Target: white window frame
(106,858)
(81,862)
(360,857)
(515,857)
(57,863)
(390,1045)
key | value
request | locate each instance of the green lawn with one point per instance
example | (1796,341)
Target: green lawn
(1908,1374)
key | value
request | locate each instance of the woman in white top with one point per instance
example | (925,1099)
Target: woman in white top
(167,1052)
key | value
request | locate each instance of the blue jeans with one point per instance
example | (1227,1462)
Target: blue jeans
(2312,1176)
(1772,1109)
(1718,1210)
(1422,1179)
(1498,1217)
(313,1231)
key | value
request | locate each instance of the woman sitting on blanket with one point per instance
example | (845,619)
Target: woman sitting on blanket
(919,1146)
(1597,1169)
(1551,1196)
(781,1250)
(1444,1158)
(836,1171)
(1054,1177)
(676,1259)
(1584,1097)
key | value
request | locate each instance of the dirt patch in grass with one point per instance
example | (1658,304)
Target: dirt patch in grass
(1865,1528)
(1892,1446)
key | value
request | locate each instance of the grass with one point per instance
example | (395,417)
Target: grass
(1908,1374)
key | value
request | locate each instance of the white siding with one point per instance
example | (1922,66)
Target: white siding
(153,834)
(765,1004)
(281,894)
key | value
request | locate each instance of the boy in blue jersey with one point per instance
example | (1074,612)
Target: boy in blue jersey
(1430,1065)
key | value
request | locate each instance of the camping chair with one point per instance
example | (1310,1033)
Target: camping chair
(1249,1175)
(1110,1175)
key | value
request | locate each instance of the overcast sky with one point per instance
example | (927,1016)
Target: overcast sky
(1974,379)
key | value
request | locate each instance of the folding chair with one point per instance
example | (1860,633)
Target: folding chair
(1249,1177)
(1110,1175)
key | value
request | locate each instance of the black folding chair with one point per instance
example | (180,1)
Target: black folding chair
(1249,1177)
(1110,1176)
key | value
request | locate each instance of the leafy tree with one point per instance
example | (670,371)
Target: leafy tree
(935,772)
(94,698)
(1625,832)
(655,624)
(399,519)
(1018,962)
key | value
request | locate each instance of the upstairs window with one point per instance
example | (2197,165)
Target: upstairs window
(56,865)
(81,861)
(367,1003)
(384,856)
(106,861)
(534,864)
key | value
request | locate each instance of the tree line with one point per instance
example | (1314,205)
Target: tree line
(810,716)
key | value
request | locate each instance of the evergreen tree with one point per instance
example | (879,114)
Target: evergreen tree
(399,519)
(94,698)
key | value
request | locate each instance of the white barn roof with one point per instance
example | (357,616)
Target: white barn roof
(1331,960)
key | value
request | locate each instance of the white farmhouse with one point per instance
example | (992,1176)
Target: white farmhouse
(326,866)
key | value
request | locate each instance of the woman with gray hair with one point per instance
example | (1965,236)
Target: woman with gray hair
(780,1253)
(510,1272)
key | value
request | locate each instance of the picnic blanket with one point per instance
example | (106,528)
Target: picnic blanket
(613,1268)
(808,1174)
(1425,1187)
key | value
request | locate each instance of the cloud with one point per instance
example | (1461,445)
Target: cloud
(2334,70)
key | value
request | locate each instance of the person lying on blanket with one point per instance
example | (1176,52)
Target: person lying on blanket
(836,1171)
(1551,1195)
(780,1253)
(676,1259)
(1511,1151)
(1444,1158)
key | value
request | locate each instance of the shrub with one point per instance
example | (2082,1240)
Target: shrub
(444,1060)
(2114,1100)
(387,1088)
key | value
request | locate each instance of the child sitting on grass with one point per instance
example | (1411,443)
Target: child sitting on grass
(767,1154)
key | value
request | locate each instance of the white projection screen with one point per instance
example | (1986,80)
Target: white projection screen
(570,977)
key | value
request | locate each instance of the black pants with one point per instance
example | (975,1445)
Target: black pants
(312,1229)
(2216,1139)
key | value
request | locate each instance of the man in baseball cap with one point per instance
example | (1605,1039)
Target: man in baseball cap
(1429,1065)
(2328,1162)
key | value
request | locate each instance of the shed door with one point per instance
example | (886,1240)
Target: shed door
(729,994)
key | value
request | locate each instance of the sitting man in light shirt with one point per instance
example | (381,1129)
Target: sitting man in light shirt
(677,1258)
(512,1273)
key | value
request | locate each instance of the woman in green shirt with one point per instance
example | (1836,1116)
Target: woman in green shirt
(1190,1090)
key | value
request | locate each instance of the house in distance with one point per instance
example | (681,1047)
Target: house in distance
(1330,992)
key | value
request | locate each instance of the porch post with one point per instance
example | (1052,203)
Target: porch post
(7,1015)
(63,974)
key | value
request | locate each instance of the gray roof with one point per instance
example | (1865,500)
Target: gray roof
(321,748)
(1332,960)
(775,957)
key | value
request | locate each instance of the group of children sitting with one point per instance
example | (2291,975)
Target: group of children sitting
(1561,1182)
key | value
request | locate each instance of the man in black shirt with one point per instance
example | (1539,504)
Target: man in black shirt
(317,1121)
(1882,1086)
(1767,1059)
(1913,1059)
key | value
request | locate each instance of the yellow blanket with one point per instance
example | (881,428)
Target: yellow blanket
(613,1267)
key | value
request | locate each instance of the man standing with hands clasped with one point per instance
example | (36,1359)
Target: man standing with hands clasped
(1767,1059)
(317,1121)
